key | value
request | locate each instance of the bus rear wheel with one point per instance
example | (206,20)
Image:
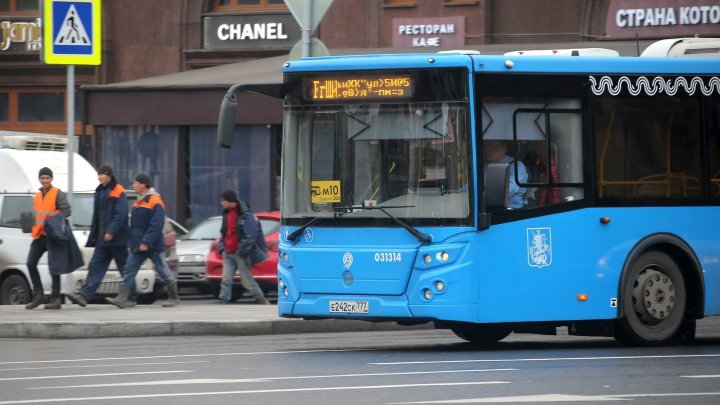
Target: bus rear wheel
(481,333)
(653,301)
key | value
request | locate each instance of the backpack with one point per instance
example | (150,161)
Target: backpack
(259,251)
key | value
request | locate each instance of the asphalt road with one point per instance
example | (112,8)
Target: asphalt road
(413,367)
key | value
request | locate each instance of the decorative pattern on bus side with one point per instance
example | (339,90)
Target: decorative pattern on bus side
(654,85)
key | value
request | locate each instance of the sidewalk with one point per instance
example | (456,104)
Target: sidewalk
(99,320)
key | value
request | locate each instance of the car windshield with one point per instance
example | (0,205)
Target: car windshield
(206,230)
(269,226)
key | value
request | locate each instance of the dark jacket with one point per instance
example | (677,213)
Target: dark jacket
(246,227)
(110,215)
(64,255)
(146,223)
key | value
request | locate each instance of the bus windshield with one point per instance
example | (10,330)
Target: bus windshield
(411,159)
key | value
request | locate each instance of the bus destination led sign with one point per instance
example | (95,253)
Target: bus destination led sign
(359,87)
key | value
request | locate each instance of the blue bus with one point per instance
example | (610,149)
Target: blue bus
(601,213)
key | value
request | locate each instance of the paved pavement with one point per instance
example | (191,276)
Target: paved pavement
(100,320)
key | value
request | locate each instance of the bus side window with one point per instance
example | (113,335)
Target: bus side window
(542,169)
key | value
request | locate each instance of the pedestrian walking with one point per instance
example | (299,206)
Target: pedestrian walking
(145,241)
(238,235)
(48,201)
(108,234)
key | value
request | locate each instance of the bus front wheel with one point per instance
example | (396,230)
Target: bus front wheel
(653,301)
(481,333)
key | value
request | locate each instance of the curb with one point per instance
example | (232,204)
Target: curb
(105,321)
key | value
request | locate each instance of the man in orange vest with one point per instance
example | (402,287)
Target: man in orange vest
(48,201)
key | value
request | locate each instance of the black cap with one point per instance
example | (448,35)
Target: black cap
(229,196)
(105,169)
(45,171)
(143,178)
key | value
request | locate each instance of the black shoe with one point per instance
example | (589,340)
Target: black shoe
(55,301)
(38,299)
(77,298)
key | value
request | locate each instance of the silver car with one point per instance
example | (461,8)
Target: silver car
(192,250)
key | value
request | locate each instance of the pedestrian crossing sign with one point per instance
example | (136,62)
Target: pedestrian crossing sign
(71,32)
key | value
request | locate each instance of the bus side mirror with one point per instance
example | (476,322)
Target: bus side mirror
(226,121)
(497,186)
(27,220)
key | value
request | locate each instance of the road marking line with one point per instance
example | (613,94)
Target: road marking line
(47,377)
(547,359)
(701,376)
(262,379)
(105,365)
(268,391)
(516,399)
(555,398)
(183,355)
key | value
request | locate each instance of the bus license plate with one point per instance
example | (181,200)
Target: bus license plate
(356,307)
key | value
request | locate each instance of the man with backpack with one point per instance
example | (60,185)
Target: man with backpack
(242,244)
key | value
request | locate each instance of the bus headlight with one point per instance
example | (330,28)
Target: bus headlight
(439,286)
(427,259)
(443,256)
(427,294)
(285,292)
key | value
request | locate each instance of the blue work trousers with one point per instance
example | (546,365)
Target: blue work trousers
(136,259)
(98,266)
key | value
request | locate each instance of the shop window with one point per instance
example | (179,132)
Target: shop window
(35,110)
(41,107)
(249,5)
(18,6)
(4,107)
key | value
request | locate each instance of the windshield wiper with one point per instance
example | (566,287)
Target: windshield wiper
(294,234)
(422,237)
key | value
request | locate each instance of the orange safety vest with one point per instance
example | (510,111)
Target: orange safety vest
(44,208)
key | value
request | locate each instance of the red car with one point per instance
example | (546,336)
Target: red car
(264,273)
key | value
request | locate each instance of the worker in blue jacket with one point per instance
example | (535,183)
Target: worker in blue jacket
(146,241)
(109,233)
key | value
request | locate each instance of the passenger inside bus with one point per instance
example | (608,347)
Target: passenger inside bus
(496,151)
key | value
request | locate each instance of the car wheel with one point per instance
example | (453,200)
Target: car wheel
(14,290)
(146,299)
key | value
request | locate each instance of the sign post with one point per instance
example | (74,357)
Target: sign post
(308,14)
(71,36)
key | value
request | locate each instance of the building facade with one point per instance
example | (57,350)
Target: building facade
(153,103)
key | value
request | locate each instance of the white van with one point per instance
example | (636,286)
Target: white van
(684,47)
(21,157)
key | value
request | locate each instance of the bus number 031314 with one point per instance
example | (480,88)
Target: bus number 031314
(388,257)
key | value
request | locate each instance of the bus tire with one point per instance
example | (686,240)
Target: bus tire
(653,301)
(481,333)
(14,290)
